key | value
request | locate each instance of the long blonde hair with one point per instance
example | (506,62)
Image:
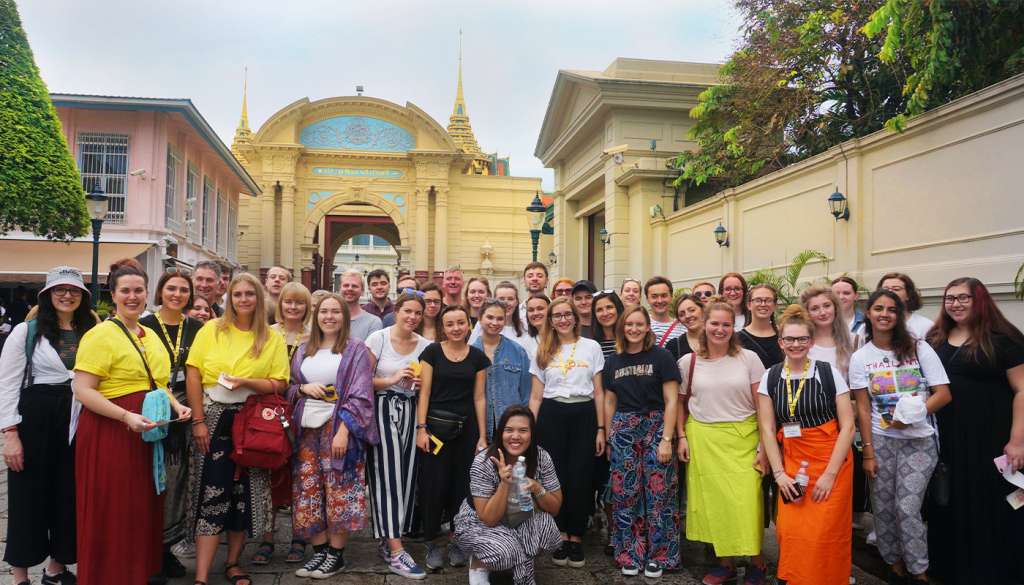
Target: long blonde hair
(840,330)
(259,328)
(548,345)
(734,340)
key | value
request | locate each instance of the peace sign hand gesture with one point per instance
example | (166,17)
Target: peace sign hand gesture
(504,471)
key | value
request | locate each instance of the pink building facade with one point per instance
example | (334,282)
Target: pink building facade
(174,186)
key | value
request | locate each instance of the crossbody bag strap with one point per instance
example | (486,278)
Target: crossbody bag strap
(31,338)
(689,380)
(671,328)
(145,362)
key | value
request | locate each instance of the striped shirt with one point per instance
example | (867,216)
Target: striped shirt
(814,407)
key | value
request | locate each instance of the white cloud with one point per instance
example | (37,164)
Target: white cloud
(400,50)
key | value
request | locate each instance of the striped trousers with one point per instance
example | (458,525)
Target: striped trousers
(391,465)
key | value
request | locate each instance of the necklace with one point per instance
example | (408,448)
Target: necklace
(570,363)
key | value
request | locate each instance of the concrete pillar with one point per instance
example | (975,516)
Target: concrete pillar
(422,250)
(288,226)
(440,229)
(267,220)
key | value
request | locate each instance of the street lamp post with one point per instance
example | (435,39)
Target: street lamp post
(98,203)
(536,211)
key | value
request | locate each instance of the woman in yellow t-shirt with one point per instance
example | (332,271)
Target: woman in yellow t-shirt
(232,358)
(118,508)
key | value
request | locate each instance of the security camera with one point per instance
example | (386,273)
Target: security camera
(617,149)
(138,173)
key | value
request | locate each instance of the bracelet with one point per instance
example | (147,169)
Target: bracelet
(683,436)
(421,426)
(11,429)
(667,439)
(543,492)
(198,421)
(865,445)
(600,428)
(778,473)
(866,458)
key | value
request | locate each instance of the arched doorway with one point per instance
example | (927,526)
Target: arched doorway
(362,242)
(337,218)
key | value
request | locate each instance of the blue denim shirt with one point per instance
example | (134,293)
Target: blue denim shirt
(508,379)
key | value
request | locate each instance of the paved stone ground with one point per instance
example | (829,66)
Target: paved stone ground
(365,568)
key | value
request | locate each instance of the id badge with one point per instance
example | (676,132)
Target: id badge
(179,377)
(791,430)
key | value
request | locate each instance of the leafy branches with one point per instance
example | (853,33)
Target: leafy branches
(787,284)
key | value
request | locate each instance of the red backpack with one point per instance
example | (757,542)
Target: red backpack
(260,432)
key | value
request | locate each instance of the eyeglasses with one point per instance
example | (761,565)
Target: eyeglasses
(561,316)
(963,299)
(733,289)
(802,340)
(412,291)
(563,291)
(762,301)
(432,302)
(606,291)
(67,292)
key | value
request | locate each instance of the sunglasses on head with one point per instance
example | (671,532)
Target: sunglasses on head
(412,291)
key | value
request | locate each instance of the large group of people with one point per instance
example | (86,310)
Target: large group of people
(703,414)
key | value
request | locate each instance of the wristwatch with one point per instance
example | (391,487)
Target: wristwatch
(542,492)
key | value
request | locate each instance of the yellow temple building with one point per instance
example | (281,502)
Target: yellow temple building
(338,167)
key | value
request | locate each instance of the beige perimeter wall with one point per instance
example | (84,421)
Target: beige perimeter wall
(939,201)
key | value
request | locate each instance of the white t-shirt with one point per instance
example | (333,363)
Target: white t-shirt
(321,367)
(918,325)
(740,323)
(529,344)
(721,387)
(823,354)
(886,380)
(660,329)
(572,370)
(390,361)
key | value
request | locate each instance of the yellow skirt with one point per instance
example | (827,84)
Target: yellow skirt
(724,503)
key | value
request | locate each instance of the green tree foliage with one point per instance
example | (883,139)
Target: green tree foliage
(949,47)
(803,79)
(40,188)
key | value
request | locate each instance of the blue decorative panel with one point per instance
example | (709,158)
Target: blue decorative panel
(357,133)
(399,199)
(345,172)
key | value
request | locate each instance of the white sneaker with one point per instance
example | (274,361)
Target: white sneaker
(479,577)
(184,549)
(871,538)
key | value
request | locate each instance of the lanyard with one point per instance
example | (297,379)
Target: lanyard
(791,399)
(291,351)
(139,347)
(176,347)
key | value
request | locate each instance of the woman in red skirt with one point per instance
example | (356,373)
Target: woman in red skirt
(118,507)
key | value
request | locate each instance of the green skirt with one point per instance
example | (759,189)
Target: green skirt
(724,504)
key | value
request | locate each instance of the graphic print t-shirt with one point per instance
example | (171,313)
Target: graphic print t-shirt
(637,379)
(888,379)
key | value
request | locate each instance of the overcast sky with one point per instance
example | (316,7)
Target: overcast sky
(402,51)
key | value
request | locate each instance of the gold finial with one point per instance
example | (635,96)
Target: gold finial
(459,127)
(243,122)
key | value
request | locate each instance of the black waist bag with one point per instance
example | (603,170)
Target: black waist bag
(445,425)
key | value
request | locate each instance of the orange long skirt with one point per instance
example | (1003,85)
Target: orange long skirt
(815,538)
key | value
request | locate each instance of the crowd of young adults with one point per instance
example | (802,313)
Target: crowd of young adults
(515,421)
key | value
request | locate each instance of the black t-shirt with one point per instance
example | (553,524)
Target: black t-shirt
(679,347)
(637,379)
(452,385)
(766,348)
(192,326)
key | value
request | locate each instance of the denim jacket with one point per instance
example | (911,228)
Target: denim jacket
(508,379)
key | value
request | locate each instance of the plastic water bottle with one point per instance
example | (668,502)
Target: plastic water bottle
(519,473)
(802,480)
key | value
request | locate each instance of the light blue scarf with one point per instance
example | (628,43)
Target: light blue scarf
(157,408)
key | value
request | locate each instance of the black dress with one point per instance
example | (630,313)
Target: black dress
(766,348)
(978,537)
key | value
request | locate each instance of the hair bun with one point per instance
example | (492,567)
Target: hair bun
(127,263)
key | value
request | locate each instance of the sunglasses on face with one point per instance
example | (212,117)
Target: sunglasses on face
(563,291)
(703,294)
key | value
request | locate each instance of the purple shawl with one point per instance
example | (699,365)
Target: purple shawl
(354,409)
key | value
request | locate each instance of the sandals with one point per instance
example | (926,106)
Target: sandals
(296,552)
(234,579)
(263,553)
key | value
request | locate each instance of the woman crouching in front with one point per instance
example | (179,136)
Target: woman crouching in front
(491,525)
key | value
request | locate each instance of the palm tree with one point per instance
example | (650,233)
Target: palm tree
(787,285)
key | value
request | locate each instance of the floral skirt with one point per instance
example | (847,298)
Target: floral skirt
(324,499)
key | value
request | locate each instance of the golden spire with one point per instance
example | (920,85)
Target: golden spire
(459,127)
(243,123)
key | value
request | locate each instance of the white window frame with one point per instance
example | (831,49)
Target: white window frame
(105,163)
(192,188)
(222,223)
(232,230)
(171,192)
(209,222)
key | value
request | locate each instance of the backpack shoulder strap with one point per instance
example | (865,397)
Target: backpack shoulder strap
(828,382)
(30,348)
(774,377)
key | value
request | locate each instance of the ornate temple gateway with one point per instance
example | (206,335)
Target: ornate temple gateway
(339,167)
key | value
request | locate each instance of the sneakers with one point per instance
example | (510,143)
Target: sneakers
(479,577)
(719,575)
(630,571)
(561,555)
(384,551)
(652,570)
(576,558)
(754,575)
(333,563)
(456,556)
(184,549)
(402,564)
(435,557)
(319,554)
(65,577)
